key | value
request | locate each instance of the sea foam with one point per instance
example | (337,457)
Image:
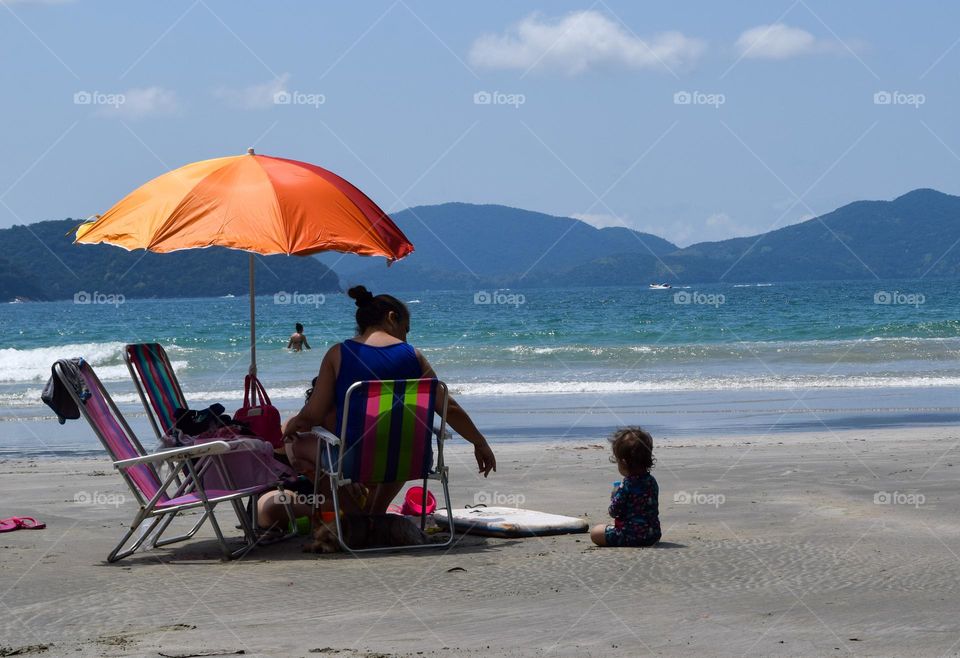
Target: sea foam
(33,365)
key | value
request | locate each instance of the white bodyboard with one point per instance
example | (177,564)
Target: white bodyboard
(510,522)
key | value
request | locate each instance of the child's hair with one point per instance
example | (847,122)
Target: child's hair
(313,384)
(633,447)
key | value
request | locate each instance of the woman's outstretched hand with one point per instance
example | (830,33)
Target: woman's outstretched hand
(486,460)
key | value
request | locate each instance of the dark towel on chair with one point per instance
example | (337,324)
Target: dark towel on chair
(56,396)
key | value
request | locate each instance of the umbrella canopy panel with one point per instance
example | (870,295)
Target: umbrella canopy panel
(254,203)
(251,202)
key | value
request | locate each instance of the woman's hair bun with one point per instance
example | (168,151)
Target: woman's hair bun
(361,295)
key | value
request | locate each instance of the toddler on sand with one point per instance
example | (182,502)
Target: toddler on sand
(634,504)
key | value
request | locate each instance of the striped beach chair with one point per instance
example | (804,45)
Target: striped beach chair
(161,498)
(156,384)
(386,435)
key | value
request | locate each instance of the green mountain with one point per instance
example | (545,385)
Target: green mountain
(911,236)
(40,262)
(469,246)
(461,244)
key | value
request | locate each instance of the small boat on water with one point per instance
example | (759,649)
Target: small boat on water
(660,286)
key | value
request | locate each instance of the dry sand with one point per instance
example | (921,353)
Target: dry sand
(771,546)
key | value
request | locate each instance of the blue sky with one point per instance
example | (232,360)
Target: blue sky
(693,121)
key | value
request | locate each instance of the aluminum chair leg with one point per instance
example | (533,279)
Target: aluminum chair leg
(118,554)
(187,535)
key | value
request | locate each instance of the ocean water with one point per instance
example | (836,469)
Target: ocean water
(541,363)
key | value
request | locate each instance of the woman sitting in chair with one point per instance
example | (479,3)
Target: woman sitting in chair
(379,351)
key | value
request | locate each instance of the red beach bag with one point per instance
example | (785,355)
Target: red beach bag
(257,412)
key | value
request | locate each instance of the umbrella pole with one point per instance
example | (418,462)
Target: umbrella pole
(253,323)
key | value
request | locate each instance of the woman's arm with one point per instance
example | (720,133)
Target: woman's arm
(318,408)
(305,343)
(460,421)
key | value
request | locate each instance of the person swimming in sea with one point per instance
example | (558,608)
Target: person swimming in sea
(297,340)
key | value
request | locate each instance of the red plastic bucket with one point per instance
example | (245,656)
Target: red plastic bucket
(413,502)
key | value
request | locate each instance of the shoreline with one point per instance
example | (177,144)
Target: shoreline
(781,547)
(567,417)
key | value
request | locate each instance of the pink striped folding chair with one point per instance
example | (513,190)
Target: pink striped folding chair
(156,384)
(386,435)
(161,499)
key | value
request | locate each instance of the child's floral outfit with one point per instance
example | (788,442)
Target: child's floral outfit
(634,507)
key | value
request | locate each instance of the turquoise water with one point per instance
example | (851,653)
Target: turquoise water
(740,351)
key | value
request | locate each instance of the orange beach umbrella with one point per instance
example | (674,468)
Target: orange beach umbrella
(254,203)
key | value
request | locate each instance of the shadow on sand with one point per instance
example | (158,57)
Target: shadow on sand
(204,551)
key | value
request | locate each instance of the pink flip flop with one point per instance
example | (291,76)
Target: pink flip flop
(20,522)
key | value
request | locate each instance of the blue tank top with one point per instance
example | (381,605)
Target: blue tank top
(359,362)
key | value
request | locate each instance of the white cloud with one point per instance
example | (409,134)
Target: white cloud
(599,220)
(254,97)
(723,226)
(779,41)
(139,102)
(578,42)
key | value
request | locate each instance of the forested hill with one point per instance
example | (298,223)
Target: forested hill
(475,246)
(40,262)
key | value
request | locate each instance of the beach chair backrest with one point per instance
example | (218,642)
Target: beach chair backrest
(387,430)
(112,430)
(154,377)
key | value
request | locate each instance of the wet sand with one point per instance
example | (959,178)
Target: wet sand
(809,543)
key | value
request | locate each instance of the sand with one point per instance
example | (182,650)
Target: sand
(772,545)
